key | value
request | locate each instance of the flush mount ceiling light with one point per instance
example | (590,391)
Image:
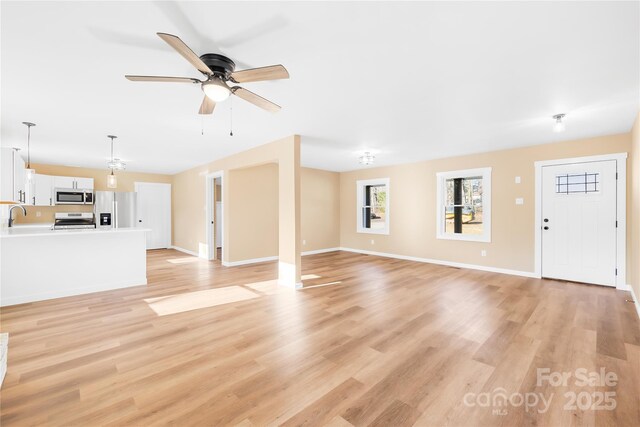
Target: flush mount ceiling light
(113,164)
(559,124)
(367,158)
(28,170)
(216,89)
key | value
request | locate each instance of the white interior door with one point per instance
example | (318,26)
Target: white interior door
(579,222)
(154,213)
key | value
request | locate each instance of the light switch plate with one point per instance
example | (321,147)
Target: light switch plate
(519,201)
(517,180)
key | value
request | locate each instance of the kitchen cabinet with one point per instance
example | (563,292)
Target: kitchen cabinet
(43,190)
(19,176)
(73,182)
(64,182)
(12,179)
(84,183)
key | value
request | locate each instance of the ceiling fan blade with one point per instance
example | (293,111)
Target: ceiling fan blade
(184,50)
(272,72)
(162,79)
(207,106)
(255,99)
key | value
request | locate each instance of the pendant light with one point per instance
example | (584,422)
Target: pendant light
(112,181)
(28,170)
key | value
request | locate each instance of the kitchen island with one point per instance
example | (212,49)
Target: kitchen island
(37,263)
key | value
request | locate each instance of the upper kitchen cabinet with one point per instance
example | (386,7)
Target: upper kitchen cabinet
(64,182)
(42,190)
(84,183)
(12,179)
(73,182)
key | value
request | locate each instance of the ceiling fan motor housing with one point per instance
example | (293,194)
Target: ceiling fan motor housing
(219,64)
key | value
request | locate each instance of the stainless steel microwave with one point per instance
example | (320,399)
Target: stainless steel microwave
(72,196)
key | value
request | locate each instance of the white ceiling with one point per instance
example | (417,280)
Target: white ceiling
(408,81)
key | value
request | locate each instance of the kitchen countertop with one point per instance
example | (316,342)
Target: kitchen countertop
(31,231)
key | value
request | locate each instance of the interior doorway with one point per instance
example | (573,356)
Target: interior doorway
(215,216)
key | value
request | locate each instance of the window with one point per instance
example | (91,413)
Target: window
(373,206)
(464,205)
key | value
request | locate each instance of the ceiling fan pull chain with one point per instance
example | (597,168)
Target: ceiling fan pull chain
(231,116)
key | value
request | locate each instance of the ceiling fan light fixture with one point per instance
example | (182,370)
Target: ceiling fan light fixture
(559,124)
(367,159)
(216,90)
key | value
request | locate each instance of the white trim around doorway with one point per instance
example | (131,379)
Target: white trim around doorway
(621,210)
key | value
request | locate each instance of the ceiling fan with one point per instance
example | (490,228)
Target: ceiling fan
(219,71)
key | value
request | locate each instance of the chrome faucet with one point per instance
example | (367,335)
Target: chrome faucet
(24,211)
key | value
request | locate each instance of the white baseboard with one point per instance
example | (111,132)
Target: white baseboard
(319,251)
(248,261)
(71,292)
(183,250)
(635,298)
(271,258)
(447,263)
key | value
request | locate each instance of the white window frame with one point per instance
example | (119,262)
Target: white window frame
(442,177)
(360,185)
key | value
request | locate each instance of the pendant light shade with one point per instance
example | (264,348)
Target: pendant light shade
(112,181)
(29,171)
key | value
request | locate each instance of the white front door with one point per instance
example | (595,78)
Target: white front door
(154,213)
(579,222)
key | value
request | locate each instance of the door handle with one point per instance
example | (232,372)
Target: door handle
(34,200)
(546,227)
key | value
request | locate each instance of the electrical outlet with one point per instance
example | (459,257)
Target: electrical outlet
(38,214)
(518,180)
(483,253)
(373,242)
(519,201)
(304,242)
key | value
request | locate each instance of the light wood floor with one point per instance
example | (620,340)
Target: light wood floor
(385,342)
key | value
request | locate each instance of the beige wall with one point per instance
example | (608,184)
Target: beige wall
(126,182)
(320,209)
(189,207)
(413,198)
(634,218)
(253,199)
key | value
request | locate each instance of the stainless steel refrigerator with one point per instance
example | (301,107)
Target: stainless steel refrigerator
(115,209)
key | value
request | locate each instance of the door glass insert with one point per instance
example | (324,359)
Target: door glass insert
(578,183)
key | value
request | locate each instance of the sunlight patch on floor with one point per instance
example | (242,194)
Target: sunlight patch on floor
(318,286)
(310,276)
(180,303)
(183,260)
(268,287)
